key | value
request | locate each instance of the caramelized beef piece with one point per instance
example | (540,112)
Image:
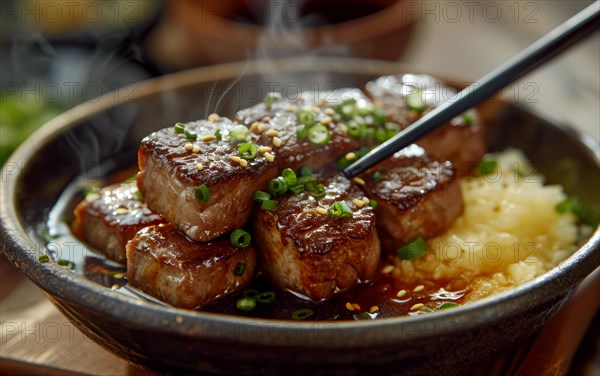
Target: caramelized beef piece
(461,141)
(107,220)
(169,174)
(312,254)
(416,196)
(163,263)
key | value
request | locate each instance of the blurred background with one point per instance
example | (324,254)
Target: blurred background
(55,54)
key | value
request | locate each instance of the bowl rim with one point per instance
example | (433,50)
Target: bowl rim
(22,250)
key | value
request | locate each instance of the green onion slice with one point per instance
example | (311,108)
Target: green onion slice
(296,189)
(240,269)
(415,101)
(218,135)
(202,193)
(260,196)
(373,203)
(319,135)
(377,176)
(277,186)
(179,128)
(250,293)
(65,263)
(266,297)
(44,258)
(447,305)
(239,133)
(240,238)
(301,131)
(305,118)
(190,135)
(306,171)
(487,166)
(379,117)
(412,250)
(317,190)
(271,98)
(586,215)
(269,205)
(247,151)
(339,210)
(302,313)
(289,176)
(245,304)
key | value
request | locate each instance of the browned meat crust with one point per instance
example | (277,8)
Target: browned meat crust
(312,254)
(107,220)
(416,196)
(185,274)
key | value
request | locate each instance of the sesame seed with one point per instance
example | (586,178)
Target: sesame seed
(417,307)
(235,158)
(269,157)
(264,149)
(329,111)
(356,306)
(387,269)
(254,126)
(178,319)
(315,109)
(326,120)
(276,141)
(199,166)
(358,180)
(350,156)
(266,118)
(261,127)
(343,128)
(209,137)
(121,211)
(358,203)
(214,117)
(373,309)
(292,108)
(196,149)
(321,210)
(366,200)
(119,275)
(323,101)
(349,306)
(115,286)
(188,146)
(418,288)
(243,162)
(401,293)
(272,133)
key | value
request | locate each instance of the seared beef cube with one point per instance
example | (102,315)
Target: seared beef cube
(303,249)
(460,141)
(163,263)
(172,166)
(107,220)
(416,196)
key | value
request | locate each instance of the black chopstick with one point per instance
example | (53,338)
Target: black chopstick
(558,40)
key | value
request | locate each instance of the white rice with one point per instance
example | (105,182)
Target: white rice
(508,234)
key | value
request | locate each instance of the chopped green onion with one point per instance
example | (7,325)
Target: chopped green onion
(240,238)
(362,316)
(250,293)
(354,129)
(467,119)
(487,166)
(218,135)
(380,135)
(65,263)
(179,128)
(44,258)
(415,101)
(306,171)
(239,133)
(412,250)
(586,215)
(373,203)
(271,98)
(269,205)
(339,210)
(266,297)
(131,179)
(377,176)
(392,129)
(305,118)
(202,193)
(296,189)
(302,313)
(138,195)
(245,304)
(190,135)
(289,176)
(247,151)
(379,117)
(260,196)
(240,269)
(302,180)
(277,186)
(315,189)
(447,305)
(319,135)
(301,131)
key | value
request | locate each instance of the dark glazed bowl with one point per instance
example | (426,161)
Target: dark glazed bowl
(96,137)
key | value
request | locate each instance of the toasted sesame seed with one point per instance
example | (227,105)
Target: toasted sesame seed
(373,309)
(292,108)
(214,117)
(326,120)
(315,109)
(119,275)
(188,146)
(358,203)
(261,127)
(343,128)
(235,158)
(329,111)
(116,286)
(356,306)
(321,210)
(243,162)
(266,118)
(178,319)
(366,200)
(350,156)
(209,137)
(272,133)
(121,211)
(401,293)
(254,126)
(358,180)
(276,141)
(417,307)
(264,149)
(269,157)
(323,101)
(199,166)
(418,288)
(196,149)
(387,269)
(349,306)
